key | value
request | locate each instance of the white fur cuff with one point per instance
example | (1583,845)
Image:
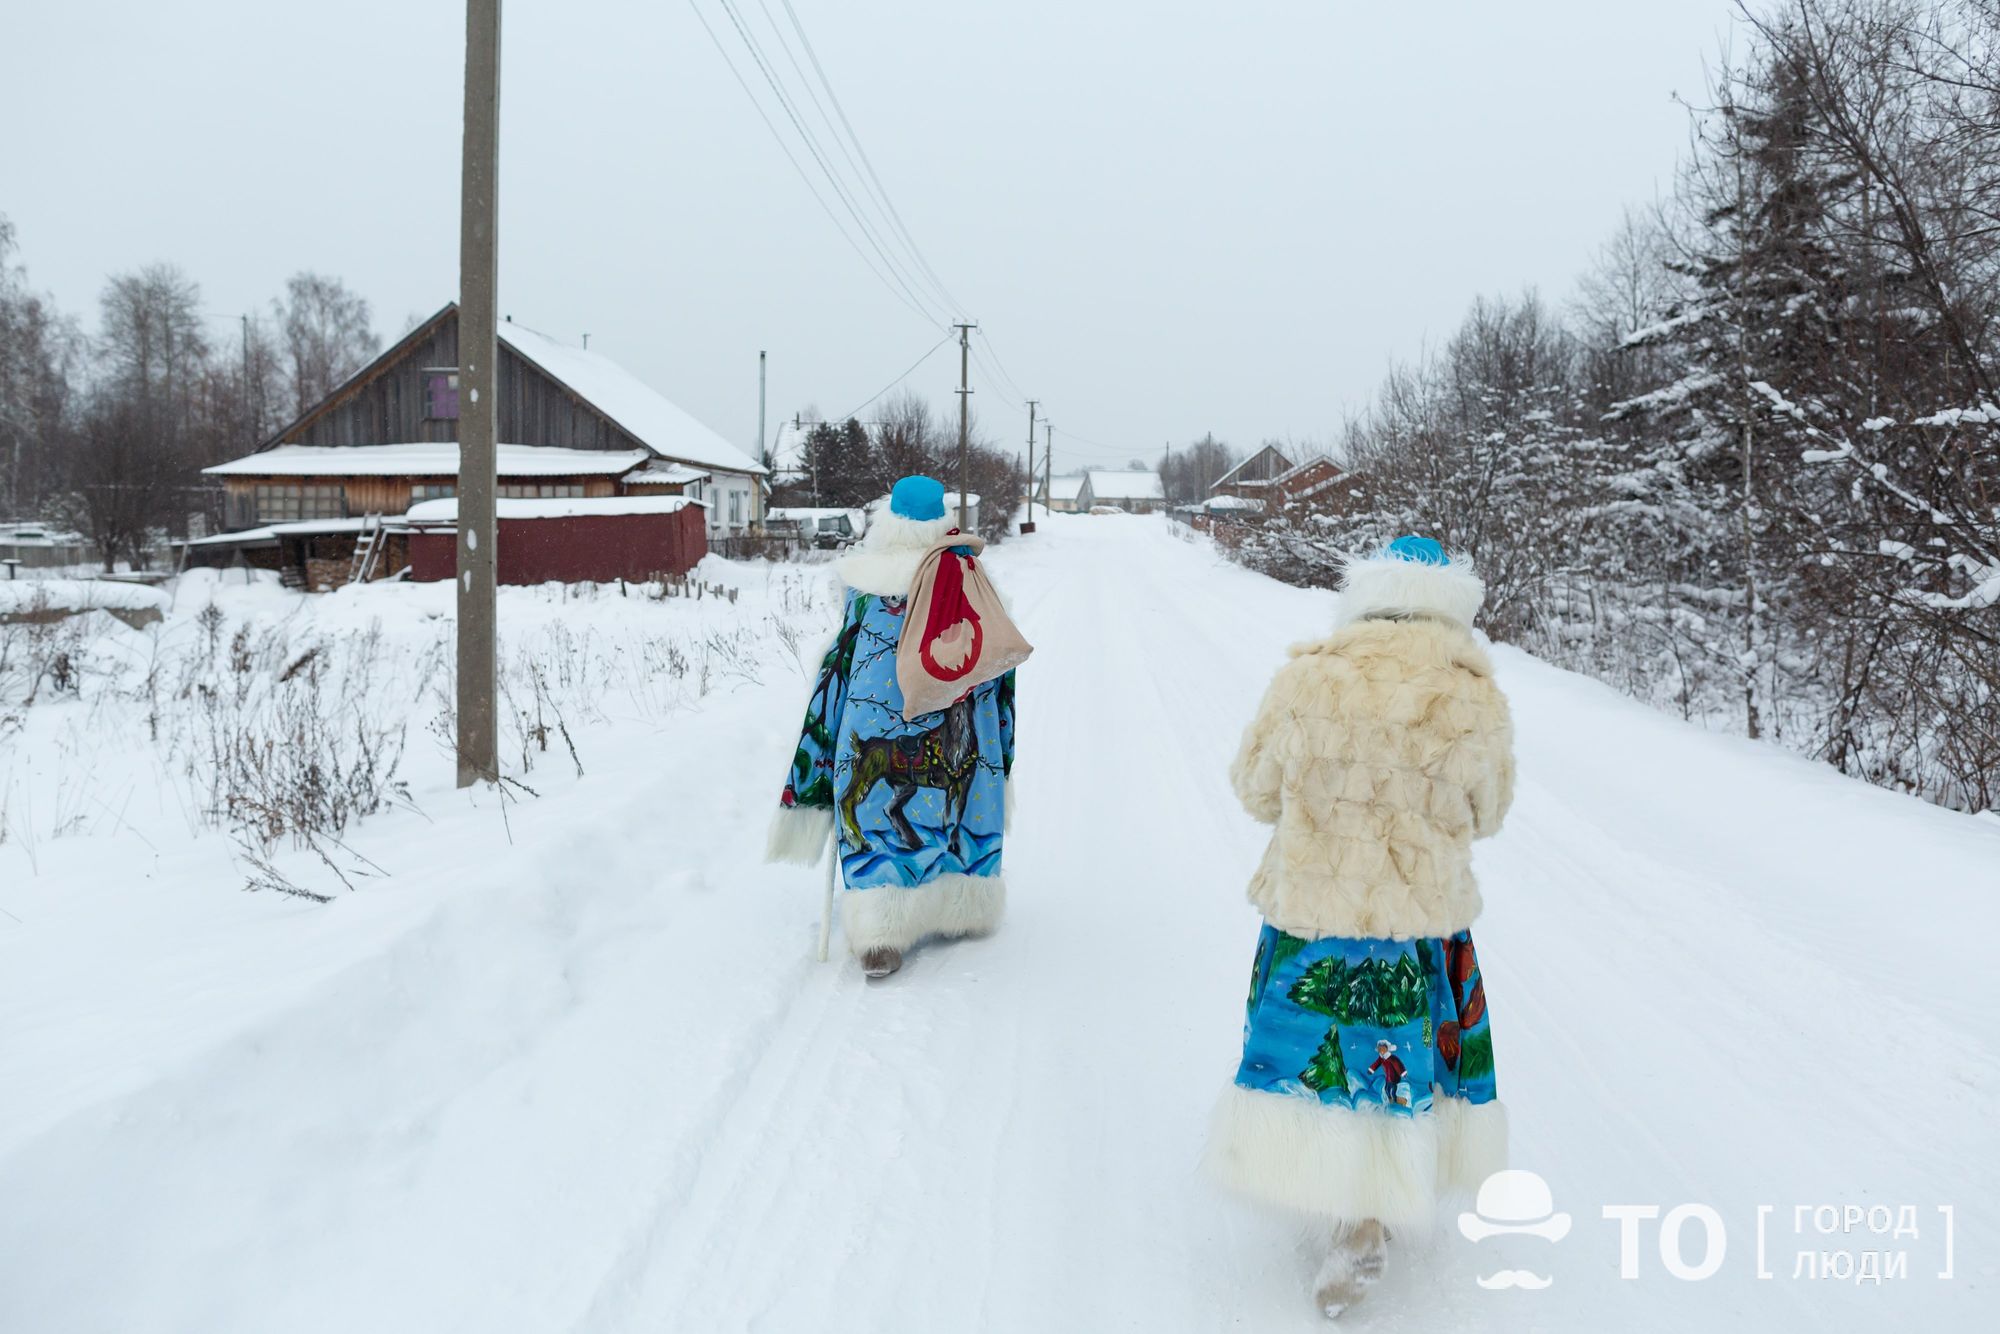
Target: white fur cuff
(1350,1165)
(798,834)
(898,916)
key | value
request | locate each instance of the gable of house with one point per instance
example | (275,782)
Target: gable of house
(549,394)
(1259,470)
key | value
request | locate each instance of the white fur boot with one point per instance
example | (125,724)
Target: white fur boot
(1356,1259)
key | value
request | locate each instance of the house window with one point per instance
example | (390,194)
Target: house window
(440,393)
(540,490)
(289,502)
(735,507)
(432,491)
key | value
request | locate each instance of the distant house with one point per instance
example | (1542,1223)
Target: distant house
(322,497)
(40,547)
(1134,491)
(1061,493)
(1252,478)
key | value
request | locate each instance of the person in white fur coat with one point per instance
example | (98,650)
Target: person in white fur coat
(917,806)
(1366,1089)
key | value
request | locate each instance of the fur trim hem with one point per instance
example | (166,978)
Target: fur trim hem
(1375,585)
(1349,1165)
(798,834)
(898,916)
(885,561)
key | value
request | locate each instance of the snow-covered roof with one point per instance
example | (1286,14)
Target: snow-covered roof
(321,527)
(635,405)
(1126,485)
(1299,469)
(1066,487)
(29,533)
(662,473)
(1230,503)
(427,459)
(564,507)
(242,537)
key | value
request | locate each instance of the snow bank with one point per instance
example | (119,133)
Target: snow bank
(76,595)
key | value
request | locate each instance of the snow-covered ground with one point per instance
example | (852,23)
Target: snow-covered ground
(570,1065)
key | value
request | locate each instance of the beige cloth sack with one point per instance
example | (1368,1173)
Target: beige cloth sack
(956,634)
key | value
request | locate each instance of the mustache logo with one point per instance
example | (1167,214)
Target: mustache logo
(1514,1278)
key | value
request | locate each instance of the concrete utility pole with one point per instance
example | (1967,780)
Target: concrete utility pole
(763,446)
(1048,457)
(1028,524)
(478,425)
(964,418)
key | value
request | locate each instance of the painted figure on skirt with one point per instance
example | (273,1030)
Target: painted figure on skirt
(908,740)
(1366,1089)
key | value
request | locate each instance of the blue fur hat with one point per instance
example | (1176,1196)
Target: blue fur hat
(917,497)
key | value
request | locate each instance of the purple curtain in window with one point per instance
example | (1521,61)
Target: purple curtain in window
(443,389)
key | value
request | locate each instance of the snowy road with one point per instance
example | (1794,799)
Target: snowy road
(600,1085)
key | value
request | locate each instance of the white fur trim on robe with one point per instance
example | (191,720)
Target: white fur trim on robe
(1350,1165)
(898,916)
(798,834)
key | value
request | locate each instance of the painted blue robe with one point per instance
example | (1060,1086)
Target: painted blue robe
(1367,1024)
(912,801)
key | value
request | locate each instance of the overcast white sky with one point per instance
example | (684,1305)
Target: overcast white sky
(1170,218)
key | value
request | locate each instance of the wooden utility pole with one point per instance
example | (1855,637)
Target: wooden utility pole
(1028,524)
(964,418)
(478,433)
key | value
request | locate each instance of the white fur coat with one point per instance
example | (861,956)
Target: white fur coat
(1379,754)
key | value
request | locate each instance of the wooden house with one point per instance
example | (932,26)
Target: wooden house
(1252,478)
(322,494)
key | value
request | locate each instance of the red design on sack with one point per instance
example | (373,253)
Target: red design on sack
(952,635)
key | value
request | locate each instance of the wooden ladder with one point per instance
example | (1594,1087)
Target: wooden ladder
(367,551)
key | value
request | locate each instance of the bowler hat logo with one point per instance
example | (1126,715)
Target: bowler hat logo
(1514,1202)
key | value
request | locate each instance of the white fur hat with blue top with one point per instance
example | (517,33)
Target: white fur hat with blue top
(1411,576)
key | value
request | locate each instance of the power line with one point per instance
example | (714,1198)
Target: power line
(994,352)
(769,72)
(792,158)
(895,215)
(882,210)
(900,378)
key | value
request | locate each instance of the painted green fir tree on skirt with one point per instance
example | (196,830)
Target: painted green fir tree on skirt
(1375,992)
(1328,1068)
